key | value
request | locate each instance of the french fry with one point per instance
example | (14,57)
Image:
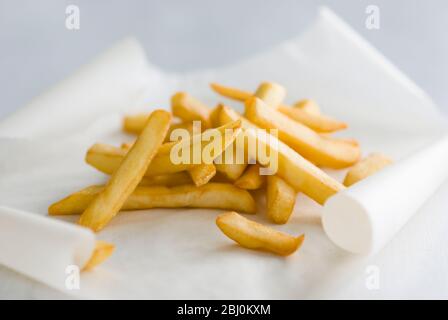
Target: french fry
(212,195)
(202,173)
(230,167)
(167,180)
(366,167)
(271,93)
(231,171)
(308,105)
(323,152)
(102,251)
(134,124)
(251,178)
(298,172)
(232,93)
(201,141)
(350,141)
(280,199)
(252,235)
(214,117)
(107,158)
(318,123)
(189,108)
(314,120)
(188,126)
(129,174)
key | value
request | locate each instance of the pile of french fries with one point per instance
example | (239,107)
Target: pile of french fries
(143,174)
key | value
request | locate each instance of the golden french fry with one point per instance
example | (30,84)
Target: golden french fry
(202,173)
(127,145)
(252,235)
(280,199)
(167,180)
(251,178)
(366,167)
(135,123)
(323,152)
(313,120)
(129,173)
(308,105)
(107,158)
(229,165)
(231,171)
(318,123)
(189,108)
(212,195)
(75,203)
(205,140)
(298,172)
(102,251)
(214,117)
(231,93)
(271,93)
(188,126)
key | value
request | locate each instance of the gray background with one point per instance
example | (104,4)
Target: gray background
(37,50)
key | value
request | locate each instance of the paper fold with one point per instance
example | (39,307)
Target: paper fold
(119,77)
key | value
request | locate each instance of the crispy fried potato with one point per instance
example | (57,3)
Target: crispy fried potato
(202,173)
(102,251)
(129,173)
(212,195)
(323,152)
(298,172)
(214,117)
(167,180)
(252,235)
(271,93)
(308,105)
(134,124)
(318,123)
(314,119)
(231,171)
(189,108)
(366,167)
(107,158)
(231,93)
(280,199)
(228,164)
(251,179)
(351,141)
(188,126)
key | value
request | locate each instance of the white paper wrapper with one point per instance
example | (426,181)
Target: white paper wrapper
(180,253)
(363,218)
(43,249)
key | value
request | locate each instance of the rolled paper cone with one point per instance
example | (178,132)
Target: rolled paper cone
(364,217)
(42,248)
